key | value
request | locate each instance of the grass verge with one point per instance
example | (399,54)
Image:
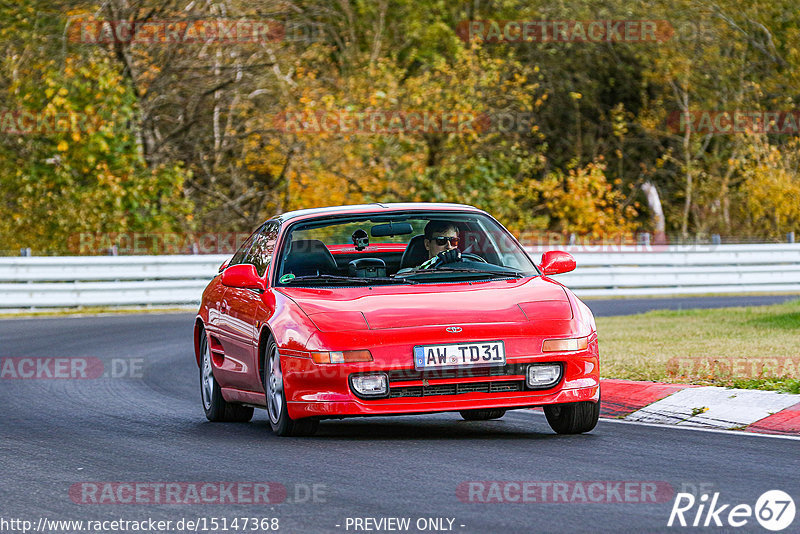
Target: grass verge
(753,348)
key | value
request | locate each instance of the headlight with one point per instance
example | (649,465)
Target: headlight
(347,356)
(370,385)
(543,375)
(565,345)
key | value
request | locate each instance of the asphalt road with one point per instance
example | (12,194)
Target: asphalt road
(150,428)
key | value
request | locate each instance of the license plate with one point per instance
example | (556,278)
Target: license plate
(454,355)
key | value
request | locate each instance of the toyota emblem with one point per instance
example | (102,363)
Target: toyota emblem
(454,329)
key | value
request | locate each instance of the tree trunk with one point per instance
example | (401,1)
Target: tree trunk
(656,212)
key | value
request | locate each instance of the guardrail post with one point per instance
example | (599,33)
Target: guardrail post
(25,252)
(790,237)
(716,239)
(644,239)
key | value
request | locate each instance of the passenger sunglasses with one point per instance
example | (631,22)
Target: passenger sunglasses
(441,240)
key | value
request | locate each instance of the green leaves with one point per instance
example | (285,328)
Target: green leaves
(172,135)
(75,166)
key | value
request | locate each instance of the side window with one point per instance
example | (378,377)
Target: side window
(239,255)
(260,253)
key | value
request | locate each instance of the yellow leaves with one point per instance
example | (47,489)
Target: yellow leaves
(771,189)
(62,146)
(584,202)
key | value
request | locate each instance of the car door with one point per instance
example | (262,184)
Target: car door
(229,373)
(243,309)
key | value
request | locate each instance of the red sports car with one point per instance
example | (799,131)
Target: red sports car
(390,309)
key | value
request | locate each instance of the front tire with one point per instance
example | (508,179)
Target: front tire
(279,420)
(217,409)
(482,415)
(573,418)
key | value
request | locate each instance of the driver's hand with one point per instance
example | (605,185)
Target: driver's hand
(449,256)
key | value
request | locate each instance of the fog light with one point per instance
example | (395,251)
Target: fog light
(543,375)
(375,385)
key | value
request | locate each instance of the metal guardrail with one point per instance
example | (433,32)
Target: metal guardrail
(46,282)
(685,270)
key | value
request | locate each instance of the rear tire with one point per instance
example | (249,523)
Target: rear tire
(573,418)
(482,415)
(279,420)
(217,409)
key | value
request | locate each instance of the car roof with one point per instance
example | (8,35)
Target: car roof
(376,208)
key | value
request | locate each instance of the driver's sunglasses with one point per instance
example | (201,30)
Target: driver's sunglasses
(442,240)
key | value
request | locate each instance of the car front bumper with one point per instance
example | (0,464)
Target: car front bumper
(325,392)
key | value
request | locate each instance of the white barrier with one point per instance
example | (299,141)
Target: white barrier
(42,282)
(684,270)
(47,282)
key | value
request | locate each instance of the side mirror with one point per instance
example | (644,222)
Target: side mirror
(556,262)
(224,265)
(243,276)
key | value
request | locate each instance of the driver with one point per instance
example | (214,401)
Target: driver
(441,242)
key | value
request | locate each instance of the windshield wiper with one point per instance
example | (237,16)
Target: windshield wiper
(346,279)
(501,273)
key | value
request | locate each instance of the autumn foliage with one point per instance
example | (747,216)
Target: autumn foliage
(206,133)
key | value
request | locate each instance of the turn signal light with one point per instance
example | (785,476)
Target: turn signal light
(347,356)
(565,345)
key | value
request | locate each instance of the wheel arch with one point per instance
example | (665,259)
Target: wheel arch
(263,338)
(199,327)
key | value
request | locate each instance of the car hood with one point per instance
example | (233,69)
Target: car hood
(382,307)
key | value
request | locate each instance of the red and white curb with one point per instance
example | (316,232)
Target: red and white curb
(765,412)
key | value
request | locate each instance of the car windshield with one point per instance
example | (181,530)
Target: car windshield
(371,249)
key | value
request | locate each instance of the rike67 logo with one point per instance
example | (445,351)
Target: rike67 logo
(774,510)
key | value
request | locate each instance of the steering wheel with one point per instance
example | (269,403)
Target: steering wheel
(472,257)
